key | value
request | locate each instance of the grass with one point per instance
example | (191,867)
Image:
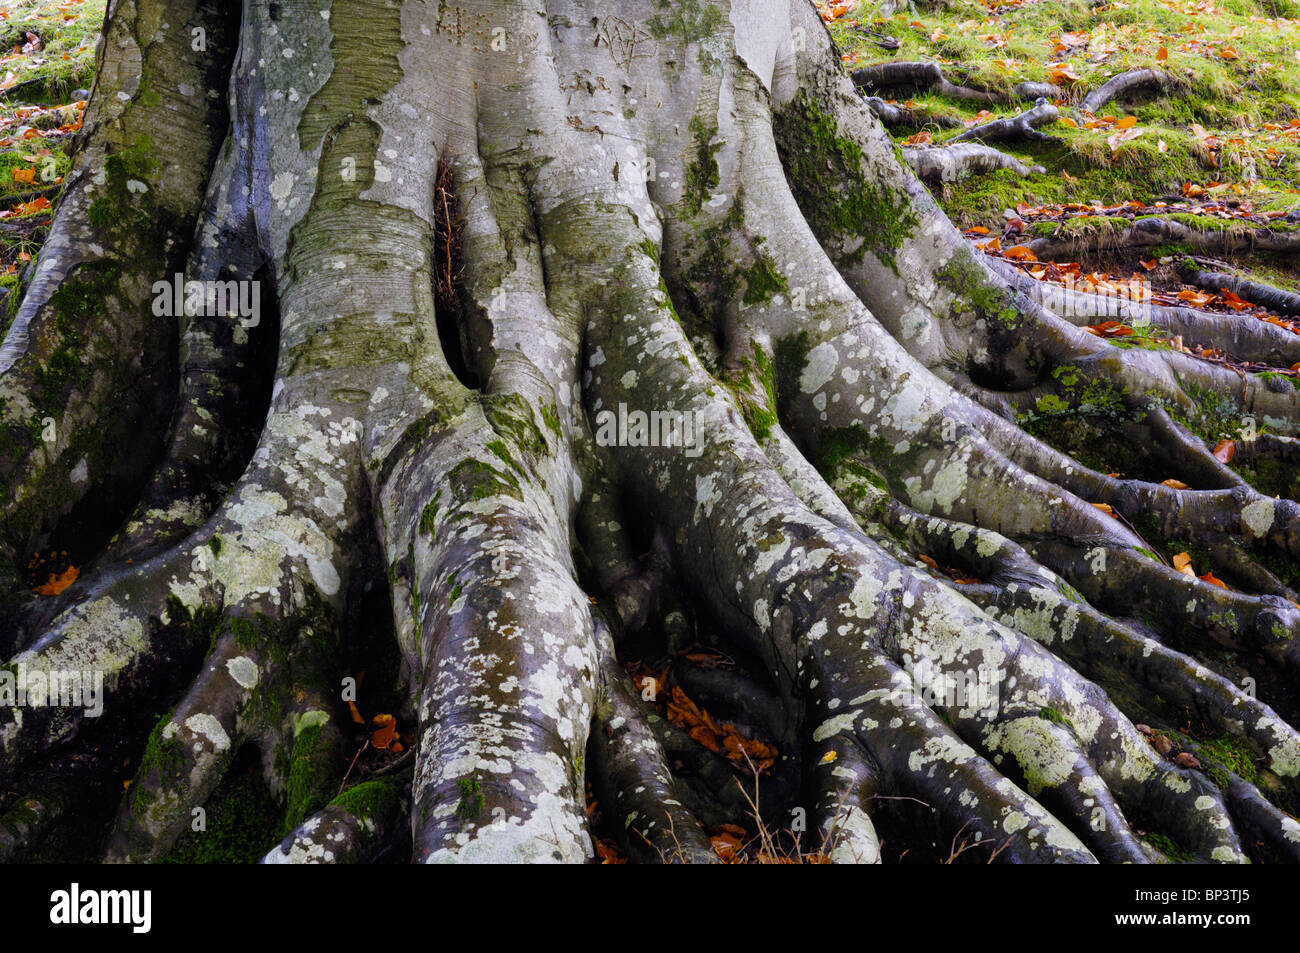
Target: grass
(1235,63)
(38,115)
(68,30)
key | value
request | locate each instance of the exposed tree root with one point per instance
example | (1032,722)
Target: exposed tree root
(929,76)
(1256,292)
(731,239)
(1212,238)
(1126,84)
(940,164)
(1023,125)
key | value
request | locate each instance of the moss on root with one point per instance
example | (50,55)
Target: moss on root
(842,202)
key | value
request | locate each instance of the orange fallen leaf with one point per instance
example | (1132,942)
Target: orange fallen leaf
(1224,450)
(1209,577)
(385,731)
(1162,54)
(928,561)
(1105,508)
(1020,253)
(1174,484)
(23,175)
(58,582)
(1183,563)
(356,715)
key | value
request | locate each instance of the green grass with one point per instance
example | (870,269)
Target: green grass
(67,59)
(1233,98)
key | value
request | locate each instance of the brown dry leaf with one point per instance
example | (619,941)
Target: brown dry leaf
(1162,54)
(1150,265)
(1183,563)
(1020,253)
(1062,75)
(978,230)
(928,561)
(1174,484)
(1128,122)
(607,851)
(1209,577)
(1197,298)
(1235,302)
(1224,450)
(385,731)
(1161,146)
(58,582)
(1068,121)
(726,845)
(23,175)
(356,715)
(1105,508)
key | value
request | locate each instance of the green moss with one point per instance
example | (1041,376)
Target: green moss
(1227,753)
(762,281)
(1167,847)
(702,175)
(203,625)
(310,783)
(371,799)
(242,824)
(973,291)
(1055,717)
(791,354)
(476,480)
(689,20)
(429,515)
(470,805)
(842,202)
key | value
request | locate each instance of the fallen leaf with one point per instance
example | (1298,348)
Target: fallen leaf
(1224,450)
(1105,508)
(1174,484)
(385,731)
(1209,577)
(1183,563)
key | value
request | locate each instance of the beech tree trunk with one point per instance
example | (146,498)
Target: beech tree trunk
(670,207)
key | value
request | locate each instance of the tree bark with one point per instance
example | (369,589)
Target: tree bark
(651,212)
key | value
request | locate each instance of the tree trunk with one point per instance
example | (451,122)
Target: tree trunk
(583,330)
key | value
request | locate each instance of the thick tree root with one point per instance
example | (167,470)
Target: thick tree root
(939,164)
(1126,84)
(1151,230)
(1023,125)
(1245,337)
(1275,299)
(929,77)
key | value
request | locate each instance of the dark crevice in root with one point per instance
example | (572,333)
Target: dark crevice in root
(632,777)
(227,373)
(449,299)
